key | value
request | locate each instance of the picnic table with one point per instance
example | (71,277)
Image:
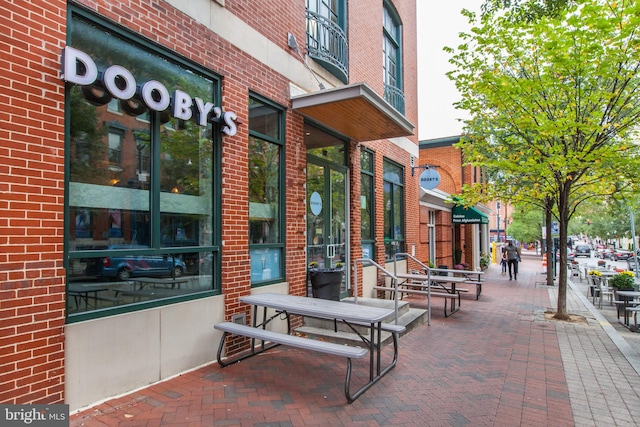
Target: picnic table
(473,277)
(354,315)
(89,291)
(174,282)
(432,285)
(627,305)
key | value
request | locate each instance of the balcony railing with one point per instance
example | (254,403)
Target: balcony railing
(395,97)
(327,44)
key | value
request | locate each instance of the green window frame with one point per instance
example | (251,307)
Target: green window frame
(392,57)
(394,227)
(327,36)
(266,190)
(156,216)
(367,203)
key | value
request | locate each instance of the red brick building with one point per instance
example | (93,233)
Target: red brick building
(459,234)
(159,159)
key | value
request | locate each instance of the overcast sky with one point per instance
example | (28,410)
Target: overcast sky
(439,24)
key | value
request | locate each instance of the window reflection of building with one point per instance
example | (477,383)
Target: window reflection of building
(83,223)
(115,147)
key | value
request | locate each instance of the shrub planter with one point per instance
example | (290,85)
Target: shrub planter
(325,283)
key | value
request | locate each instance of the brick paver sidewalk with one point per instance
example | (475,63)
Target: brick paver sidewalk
(496,362)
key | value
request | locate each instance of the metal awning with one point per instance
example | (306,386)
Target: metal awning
(355,111)
(435,199)
(462,215)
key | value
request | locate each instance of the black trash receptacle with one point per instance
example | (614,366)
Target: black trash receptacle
(325,284)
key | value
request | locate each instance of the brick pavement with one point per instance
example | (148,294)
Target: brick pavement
(497,362)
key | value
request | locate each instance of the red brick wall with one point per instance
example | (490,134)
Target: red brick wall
(365,64)
(449,165)
(453,175)
(32,297)
(273,19)
(31,219)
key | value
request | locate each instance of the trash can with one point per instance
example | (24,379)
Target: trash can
(325,284)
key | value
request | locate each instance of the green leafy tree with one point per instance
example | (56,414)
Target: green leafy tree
(526,10)
(526,223)
(552,103)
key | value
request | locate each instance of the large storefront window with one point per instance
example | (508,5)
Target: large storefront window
(393,209)
(140,200)
(266,142)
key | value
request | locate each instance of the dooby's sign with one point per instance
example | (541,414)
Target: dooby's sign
(78,68)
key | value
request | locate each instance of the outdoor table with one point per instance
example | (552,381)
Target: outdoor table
(452,280)
(85,291)
(164,281)
(428,281)
(349,313)
(628,298)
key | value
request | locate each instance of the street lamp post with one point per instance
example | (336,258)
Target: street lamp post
(141,139)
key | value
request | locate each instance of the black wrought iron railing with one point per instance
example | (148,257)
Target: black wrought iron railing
(395,97)
(327,44)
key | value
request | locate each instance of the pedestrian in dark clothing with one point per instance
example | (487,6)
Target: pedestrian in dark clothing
(513,256)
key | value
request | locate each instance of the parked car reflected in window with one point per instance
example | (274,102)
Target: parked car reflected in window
(124,267)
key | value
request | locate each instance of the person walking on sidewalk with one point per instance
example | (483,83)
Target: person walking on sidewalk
(513,257)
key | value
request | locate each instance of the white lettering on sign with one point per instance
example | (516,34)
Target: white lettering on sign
(461,219)
(109,79)
(148,90)
(121,84)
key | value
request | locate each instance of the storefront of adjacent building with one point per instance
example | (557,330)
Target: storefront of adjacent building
(163,158)
(459,234)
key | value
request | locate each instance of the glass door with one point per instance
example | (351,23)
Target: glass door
(327,220)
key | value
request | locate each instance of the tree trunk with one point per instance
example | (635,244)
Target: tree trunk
(549,243)
(563,222)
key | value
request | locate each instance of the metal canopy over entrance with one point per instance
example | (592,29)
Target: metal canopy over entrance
(462,215)
(354,111)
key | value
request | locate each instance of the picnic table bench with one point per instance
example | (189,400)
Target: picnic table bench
(452,297)
(277,338)
(349,313)
(473,277)
(431,286)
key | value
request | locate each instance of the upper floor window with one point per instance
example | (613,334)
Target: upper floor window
(266,200)
(327,37)
(113,106)
(392,57)
(115,147)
